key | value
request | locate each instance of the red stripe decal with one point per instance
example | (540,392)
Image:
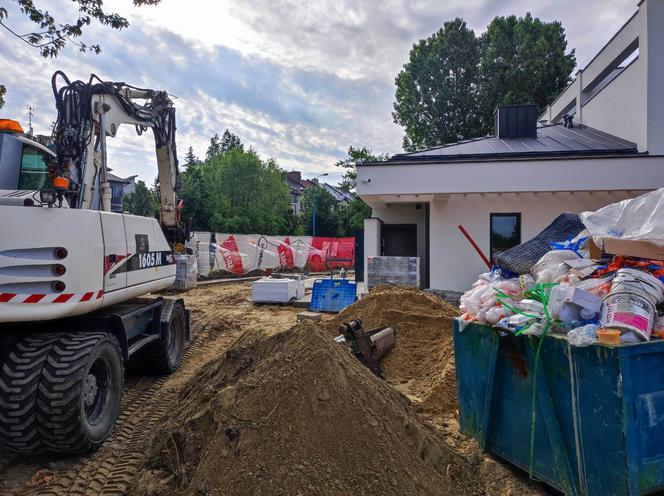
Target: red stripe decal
(99,294)
(5,297)
(87,296)
(34,298)
(63,298)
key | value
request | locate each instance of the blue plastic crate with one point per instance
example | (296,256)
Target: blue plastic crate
(332,295)
(599,425)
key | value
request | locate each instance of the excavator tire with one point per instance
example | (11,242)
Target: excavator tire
(61,392)
(80,392)
(165,355)
(20,376)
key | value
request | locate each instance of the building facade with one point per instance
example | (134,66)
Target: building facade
(600,141)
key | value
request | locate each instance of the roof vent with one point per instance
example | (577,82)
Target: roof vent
(516,121)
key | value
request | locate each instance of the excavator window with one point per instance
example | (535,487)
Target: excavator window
(34,169)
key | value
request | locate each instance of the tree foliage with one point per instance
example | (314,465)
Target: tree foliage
(435,96)
(352,217)
(3,92)
(328,222)
(214,148)
(523,61)
(227,142)
(349,164)
(237,192)
(52,35)
(142,201)
(453,81)
(230,141)
(190,158)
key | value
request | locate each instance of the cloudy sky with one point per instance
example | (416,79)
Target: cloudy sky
(298,80)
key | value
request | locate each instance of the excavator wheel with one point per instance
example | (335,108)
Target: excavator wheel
(20,376)
(165,355)
(61,392)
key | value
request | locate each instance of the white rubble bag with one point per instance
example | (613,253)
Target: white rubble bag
(635,219)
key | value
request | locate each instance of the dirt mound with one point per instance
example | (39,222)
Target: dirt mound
(421,365)
(295,413)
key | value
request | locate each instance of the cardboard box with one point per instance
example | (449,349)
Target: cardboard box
(628,248)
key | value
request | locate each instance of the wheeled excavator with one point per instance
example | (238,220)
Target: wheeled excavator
(75,277)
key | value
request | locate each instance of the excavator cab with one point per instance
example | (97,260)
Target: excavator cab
(23,161)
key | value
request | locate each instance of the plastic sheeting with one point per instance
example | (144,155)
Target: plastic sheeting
(635,219)
(244,253)
(521,258)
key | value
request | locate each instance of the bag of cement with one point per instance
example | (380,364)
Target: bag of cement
(521,258)
(186,272)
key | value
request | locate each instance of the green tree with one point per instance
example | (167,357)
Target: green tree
(141,201)
(3,92)
(230,141)
(523,60)
(453,81)
(246,194)
(194,195)
(352,217)
(328,222)
(52,35)
(190,158)
(349,164)
(435,99)
(214,149)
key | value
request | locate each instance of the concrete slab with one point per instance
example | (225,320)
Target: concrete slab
(315,316)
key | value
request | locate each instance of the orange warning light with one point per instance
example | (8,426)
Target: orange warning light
(10,125)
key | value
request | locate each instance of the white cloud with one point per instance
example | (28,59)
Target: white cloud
(298,80)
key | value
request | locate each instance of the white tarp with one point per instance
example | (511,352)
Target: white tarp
(635,219)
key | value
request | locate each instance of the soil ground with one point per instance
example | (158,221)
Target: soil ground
(222,316)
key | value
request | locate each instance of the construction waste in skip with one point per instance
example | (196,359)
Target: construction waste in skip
(559,352)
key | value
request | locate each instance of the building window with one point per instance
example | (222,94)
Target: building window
(505,232)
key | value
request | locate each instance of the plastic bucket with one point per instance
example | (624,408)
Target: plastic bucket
(630,305)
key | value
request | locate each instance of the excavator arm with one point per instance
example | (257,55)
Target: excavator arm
(89,113)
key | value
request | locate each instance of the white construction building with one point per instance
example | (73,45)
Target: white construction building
(506,188)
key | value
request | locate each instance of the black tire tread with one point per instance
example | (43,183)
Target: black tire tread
(20,376)
(155,355)
(58,397)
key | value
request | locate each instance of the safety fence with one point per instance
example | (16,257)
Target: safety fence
(241,254)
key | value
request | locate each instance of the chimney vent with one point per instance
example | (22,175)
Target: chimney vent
(516,121)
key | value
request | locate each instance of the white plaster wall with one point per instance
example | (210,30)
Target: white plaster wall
(406,214)
(652,50)
(454,263)
(620,107)
(581,174)
(371,240)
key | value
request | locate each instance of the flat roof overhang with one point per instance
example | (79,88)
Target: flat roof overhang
(403,180)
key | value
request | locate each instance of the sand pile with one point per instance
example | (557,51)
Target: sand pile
(292,414)
(421,365)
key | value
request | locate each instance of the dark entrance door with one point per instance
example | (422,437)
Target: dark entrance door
(399,240)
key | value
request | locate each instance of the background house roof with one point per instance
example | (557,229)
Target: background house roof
(338,194)
(552,141)
(117,179)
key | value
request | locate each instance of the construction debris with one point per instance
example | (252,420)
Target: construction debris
(315,316)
